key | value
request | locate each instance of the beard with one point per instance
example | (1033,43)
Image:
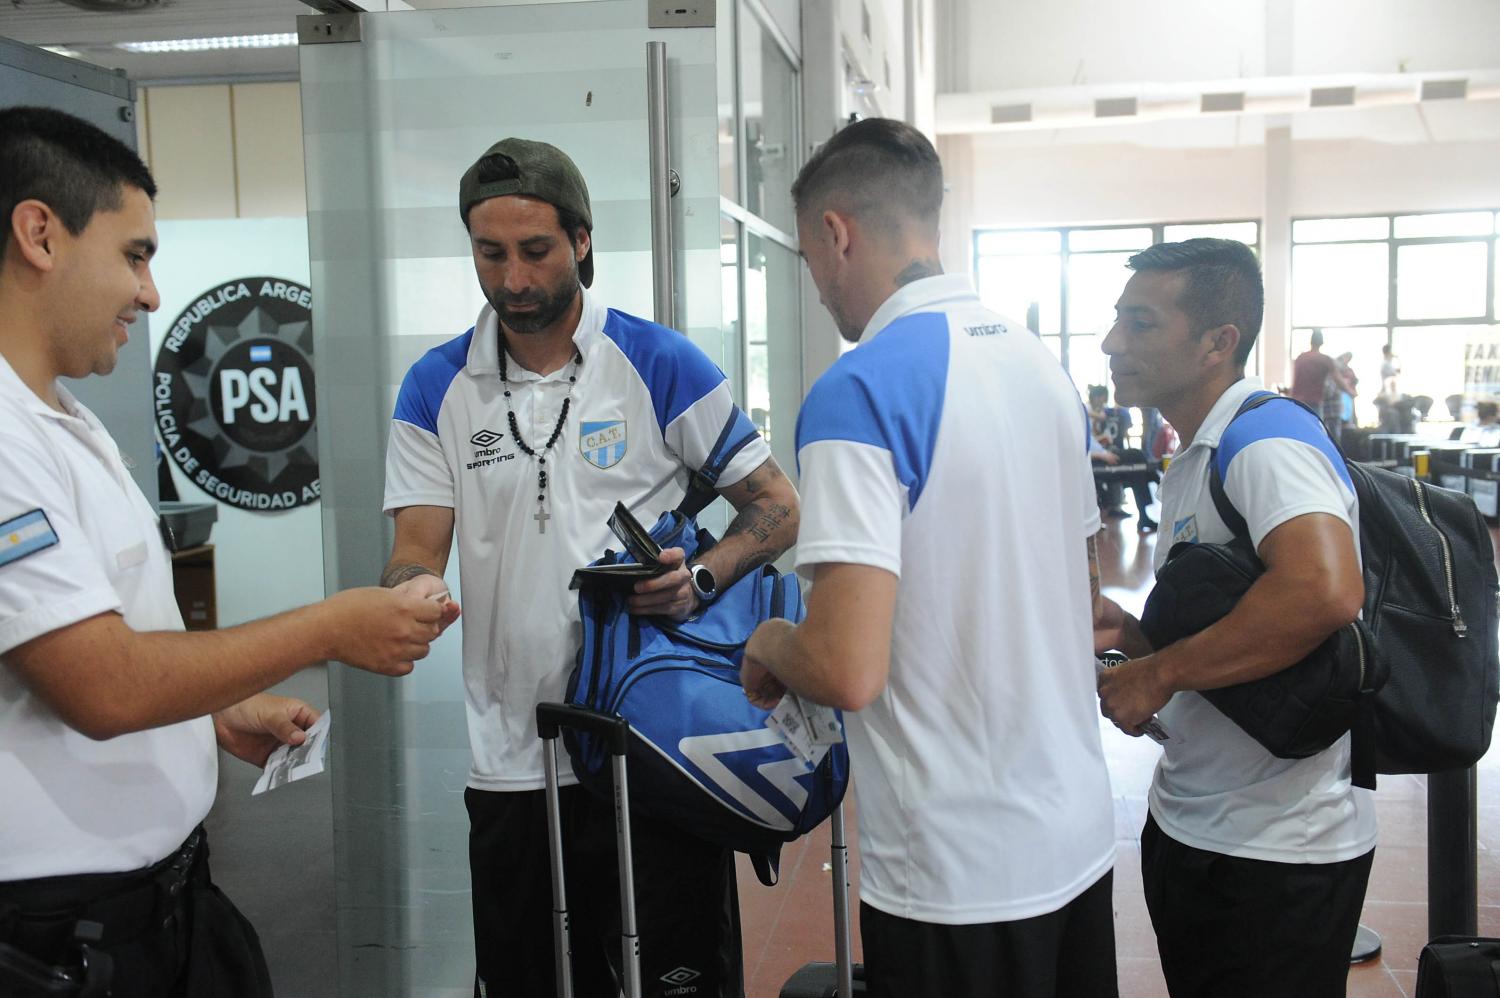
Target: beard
(551,303)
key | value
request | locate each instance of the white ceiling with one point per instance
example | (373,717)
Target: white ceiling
(93,35)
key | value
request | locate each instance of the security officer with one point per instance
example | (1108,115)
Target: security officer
(108,712)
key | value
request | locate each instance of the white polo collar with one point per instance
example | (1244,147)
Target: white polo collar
(484,348)
(11,386)
(928,294)
(1217,420)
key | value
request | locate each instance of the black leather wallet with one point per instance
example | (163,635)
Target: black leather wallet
(622,577)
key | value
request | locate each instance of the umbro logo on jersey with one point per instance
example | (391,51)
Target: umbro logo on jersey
(487,453)
(680,977)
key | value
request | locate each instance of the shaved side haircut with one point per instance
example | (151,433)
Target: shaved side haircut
(879,170)
(1222,288)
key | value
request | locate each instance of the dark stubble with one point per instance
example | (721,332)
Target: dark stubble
(550,303)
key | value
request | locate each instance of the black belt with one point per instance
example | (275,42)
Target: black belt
(52,918)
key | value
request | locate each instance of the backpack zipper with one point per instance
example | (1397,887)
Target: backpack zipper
(1359,642)
(1459,627)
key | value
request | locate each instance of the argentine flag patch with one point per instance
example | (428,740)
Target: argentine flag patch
(26,534)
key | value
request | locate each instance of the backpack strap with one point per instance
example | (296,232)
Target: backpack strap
(703,483)
(1362,731)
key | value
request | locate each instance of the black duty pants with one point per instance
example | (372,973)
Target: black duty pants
(169,931)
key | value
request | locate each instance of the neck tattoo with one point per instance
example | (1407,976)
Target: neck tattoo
(542,516)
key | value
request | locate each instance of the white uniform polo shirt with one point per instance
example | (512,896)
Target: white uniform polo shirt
(78,539)
(950,448)
(1215,787)
(647,405)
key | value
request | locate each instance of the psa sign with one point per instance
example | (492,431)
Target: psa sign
(233,394)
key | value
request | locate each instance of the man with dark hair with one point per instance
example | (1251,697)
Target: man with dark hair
(950,612)
(107,761)
(1254,866)
(519,436)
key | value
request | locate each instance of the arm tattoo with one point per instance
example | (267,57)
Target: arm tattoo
(761,520)
(918,269)
(398,573)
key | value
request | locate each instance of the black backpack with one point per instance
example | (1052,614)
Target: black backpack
(1430,605)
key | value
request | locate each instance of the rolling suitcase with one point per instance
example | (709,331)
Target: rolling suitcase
(613,732)
(842,978)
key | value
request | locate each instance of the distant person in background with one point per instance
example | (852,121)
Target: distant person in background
(1390,370)
(1311,372)
(1344,388)
(1486,431)
(1392,407)
(1108,426)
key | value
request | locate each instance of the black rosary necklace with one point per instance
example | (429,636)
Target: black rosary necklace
(542,516)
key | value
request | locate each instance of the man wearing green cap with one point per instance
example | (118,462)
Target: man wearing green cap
(519,437)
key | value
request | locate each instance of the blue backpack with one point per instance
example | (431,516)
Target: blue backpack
(701,756)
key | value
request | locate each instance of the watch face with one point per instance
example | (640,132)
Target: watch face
(704,582)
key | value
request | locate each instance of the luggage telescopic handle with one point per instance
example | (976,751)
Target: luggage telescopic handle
(612,728)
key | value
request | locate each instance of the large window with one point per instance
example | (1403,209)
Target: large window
(1064,281)
(1425,284)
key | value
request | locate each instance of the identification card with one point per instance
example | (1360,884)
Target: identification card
(290,763)
(805,728)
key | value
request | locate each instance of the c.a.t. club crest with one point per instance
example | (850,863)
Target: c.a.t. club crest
(602,442)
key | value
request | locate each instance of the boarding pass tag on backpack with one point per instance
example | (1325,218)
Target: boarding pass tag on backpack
(790,721)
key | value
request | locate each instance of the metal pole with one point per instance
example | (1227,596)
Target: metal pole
(562,949)
(1452,854)
(661,184)
(844,949)
(630,940)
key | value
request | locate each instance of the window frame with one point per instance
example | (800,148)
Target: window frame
(1065,252)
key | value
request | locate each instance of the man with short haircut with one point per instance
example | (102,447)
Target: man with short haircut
(950,609)
(1254,866)
(520,436)
(108,711)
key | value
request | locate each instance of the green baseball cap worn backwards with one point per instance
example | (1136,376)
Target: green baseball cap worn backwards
(541,171)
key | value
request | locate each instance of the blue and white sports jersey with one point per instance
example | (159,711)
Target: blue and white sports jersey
(950,449)
(647,405)
(1216,788)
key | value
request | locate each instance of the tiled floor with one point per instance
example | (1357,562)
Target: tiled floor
(792,924)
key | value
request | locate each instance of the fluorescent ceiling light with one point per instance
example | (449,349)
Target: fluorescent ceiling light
(210,44)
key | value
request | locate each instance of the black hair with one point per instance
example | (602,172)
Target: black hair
(1223,285)
(71,166)
(875,167)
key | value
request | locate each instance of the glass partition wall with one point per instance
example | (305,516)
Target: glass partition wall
(759,89)
(391,122)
